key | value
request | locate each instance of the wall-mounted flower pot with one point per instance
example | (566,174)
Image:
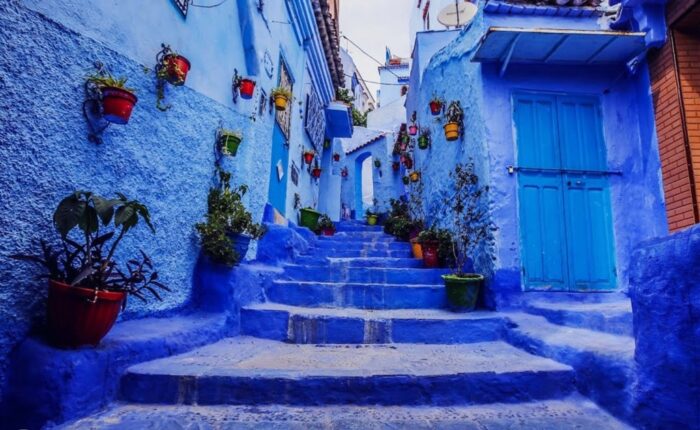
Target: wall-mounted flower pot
(281,102)
(403,146)
(229,143)
(423,142)
(414,176)
(417,249)
(395,166)
(309,218)
(430,254)
(309,157)
(406,180)
(117,104)
(176,69)
(405,139)
(328,231)
(377,163)
(371,219)
(316,172)
(452,131)
(80,316)
(462,292)
(408,163)
(435,108)
(247,88)
(413,129)
(336,157)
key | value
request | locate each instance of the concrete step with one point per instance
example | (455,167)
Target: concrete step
(363,245)
(305,325)
(604,362)
(342,227)
(359,235)
(350,253)
(357,295)
(373,275)
(341,262)
(255,371)
(571,413)
(611,317)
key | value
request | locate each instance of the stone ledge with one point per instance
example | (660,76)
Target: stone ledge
(53,384)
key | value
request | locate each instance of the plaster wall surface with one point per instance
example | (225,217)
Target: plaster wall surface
(489,140)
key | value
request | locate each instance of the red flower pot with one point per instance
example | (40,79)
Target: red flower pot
(176,67)
(308,157)
(316,173)
(336,157)
(328,232)
(396,166)
(117,104)
(247,88)
(413,130)
(435,108)
(79,316)
(408,163)
(344,173)
(430,254)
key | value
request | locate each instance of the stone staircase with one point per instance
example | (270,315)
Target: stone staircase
(354,335)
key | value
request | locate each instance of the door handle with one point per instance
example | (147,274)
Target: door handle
(577,183)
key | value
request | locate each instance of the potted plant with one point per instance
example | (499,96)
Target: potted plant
(246,88)
(336,157)
(87,286)
(344,172)
(454,117)
(309,218)
(424,139)
(309,156)
(407,161)
(371,217)
(413,129)
(436,244)
(406,180)
(436,105)
(281,96)
(229,141)
(117,100)
(377,163)
(473,231)
(226,234)
(175,68)
(414,176)
(325,226)
(316,172)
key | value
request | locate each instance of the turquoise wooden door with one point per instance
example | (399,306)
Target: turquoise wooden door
(565,217)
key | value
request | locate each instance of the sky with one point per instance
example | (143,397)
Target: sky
(374,25)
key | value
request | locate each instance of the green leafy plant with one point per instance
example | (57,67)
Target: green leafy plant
(343,95)
(472,226)
(226,216)
(105,79)
(91,228)
(324,223)
(359,119)
(454,112)
(445,243)
(281,92)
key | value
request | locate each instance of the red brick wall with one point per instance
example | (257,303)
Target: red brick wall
(688,53)
(671,136)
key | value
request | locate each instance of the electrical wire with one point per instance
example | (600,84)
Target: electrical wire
(369,55)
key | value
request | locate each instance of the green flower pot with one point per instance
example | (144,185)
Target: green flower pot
(230,144)
(309,218)
(423,142)
(462,292)
(372,219)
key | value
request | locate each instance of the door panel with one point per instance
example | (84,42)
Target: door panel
(277,195)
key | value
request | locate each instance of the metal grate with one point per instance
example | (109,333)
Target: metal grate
(182,6)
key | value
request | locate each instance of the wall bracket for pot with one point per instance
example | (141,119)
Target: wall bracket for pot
(160,76)
(92,107)
(235,86)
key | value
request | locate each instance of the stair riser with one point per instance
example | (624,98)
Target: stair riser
(358,253)
(359,235)
(281,326)
(340,245)
(366,275)
(359,228)
(358,296)
(476,388)
(617,324)
(387,263)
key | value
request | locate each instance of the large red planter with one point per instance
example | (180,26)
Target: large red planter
(176,67)
(117,104)
(74,320)
(430,254)
(247,88)
(328,232)
(435,108)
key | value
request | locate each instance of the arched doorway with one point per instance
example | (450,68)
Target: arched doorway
(364,184)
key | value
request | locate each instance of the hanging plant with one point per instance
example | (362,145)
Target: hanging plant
(395,166)
(407,162)
(424,139)
(377,163)
(229,141)
(436,105)
(414,176)
(170,67)
(413,128)
(316,172)
(281,96)
(406,180)
(309,156)
(117,100)
(454,117)
(336,157)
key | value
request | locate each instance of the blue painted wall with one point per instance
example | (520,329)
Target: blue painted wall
(489,140)
(165,159)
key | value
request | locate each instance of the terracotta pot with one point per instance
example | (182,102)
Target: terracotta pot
(176,67)
(336,157)
(316,173)
(309,157)
(413,130)
(80,316)
(328,232)
(247,88)
(452,131)
(435,108)
(117,104)
(430,254)
(415,176)
(281,102)
(417,249)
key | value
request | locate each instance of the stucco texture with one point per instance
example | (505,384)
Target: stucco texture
(164,159)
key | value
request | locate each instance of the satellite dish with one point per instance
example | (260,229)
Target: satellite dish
(458,14)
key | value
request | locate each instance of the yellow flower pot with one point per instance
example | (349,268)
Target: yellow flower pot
(372,219)
(417,249)
(414,176)
(452,131)
(281,102)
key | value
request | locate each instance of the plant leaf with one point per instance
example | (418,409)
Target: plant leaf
(105,208)
(69,213)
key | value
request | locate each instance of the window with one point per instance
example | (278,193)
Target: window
(284,117)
